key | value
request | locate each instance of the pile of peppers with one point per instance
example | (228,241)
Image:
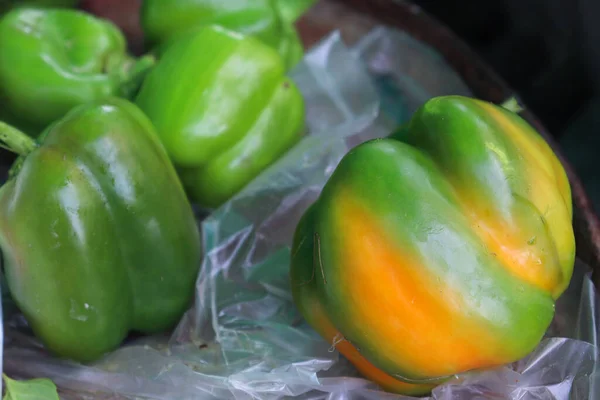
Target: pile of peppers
(437,250)
(98,234)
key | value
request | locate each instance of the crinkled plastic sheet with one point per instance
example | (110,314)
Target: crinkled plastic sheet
(243,338)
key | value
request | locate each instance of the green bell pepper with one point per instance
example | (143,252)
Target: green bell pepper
(166,20)
(224,110)
(52,60)
(97,234)
(6,5)
(439,251)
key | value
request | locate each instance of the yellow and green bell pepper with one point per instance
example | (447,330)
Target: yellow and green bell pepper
(439,250)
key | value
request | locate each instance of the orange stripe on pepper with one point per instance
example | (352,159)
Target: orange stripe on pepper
(397,302)
(508,244)
(549,192)
(368,370)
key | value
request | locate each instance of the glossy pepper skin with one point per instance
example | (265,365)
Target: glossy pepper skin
(167,20)
(52,60)
(440,250)
(97,235)
(224,110)
(6,5)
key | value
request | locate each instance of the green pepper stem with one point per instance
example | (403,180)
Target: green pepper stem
(291,10)
(135,74)
(15,141)
(512,105)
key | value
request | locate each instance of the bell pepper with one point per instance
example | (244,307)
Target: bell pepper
(52,60)
(224,110)
(439,250)
(6,5)
(97,234)
(164,21)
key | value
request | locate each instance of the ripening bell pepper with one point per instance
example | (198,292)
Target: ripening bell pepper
(164,21)
(97,234)
(52,60)
(440,250)
(224,110)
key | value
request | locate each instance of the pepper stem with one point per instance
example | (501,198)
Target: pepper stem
(512,105)
(135,74)
(291,10)
(15,141)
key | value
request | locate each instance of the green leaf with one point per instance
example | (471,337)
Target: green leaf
(34,389)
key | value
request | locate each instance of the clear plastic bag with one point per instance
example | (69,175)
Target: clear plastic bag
(243,338)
